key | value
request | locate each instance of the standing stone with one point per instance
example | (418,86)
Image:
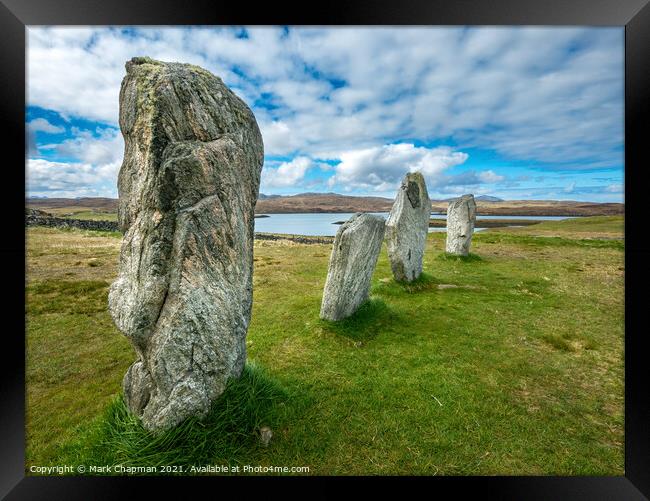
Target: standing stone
(187,191)
(461,216)
(407,228)
(354,256)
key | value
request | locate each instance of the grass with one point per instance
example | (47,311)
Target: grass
(509,361)
(582,227)
(83,213)
(470,258)
(365,324)
(230,429)
(543,240)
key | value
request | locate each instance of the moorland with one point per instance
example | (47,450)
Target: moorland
(509,361)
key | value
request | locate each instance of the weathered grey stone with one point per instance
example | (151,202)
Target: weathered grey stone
(461,216)
(354,256)
(407,228)
(266,434)
(187,191)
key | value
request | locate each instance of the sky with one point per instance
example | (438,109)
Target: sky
(513,112)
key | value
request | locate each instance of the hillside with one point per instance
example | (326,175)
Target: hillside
(541,208)
(332,202)
(109,204)
(323,202)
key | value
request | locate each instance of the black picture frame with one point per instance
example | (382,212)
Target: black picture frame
(634,15)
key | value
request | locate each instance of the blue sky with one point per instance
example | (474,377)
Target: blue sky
(518,113)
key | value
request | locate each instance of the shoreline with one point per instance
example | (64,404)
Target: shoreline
(514,212)
(111,226)
(482,223)
(489,223)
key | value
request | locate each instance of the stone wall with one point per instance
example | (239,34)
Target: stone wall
(59,222)
(295,238)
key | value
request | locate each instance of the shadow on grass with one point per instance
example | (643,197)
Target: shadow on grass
(563,343)
(470,258)
(364,325)
(557,342)
(228,431)
(422,283)
(391,287)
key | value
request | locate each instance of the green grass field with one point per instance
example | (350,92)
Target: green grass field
(507,362)
(83,213)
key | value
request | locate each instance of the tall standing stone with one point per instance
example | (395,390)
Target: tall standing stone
(461,217)
(407,228)
(187,192)
(352,262)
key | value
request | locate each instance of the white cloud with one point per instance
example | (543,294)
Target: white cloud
(68,179)
(549,96)
(552,94)
(288,174)
(278,139)
(489,176)
(93,162)
(39,125)
(106,148)
(381,168)
(42,125)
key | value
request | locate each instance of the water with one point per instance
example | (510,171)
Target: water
(321,224)
(533,218)
(313,224)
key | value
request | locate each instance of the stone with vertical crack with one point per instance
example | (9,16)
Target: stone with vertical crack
(187,187)
(352,263)
(461,217)
(407,228)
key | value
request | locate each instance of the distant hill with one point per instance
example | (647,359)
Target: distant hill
(314,194)
(332,202)
(488,198)
(323,202)
(86,202)
(480,198)
(539,208)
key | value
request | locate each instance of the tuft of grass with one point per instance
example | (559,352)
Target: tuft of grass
(365,324)
(389,287)
(558,342)
(422,283)
(230,428)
